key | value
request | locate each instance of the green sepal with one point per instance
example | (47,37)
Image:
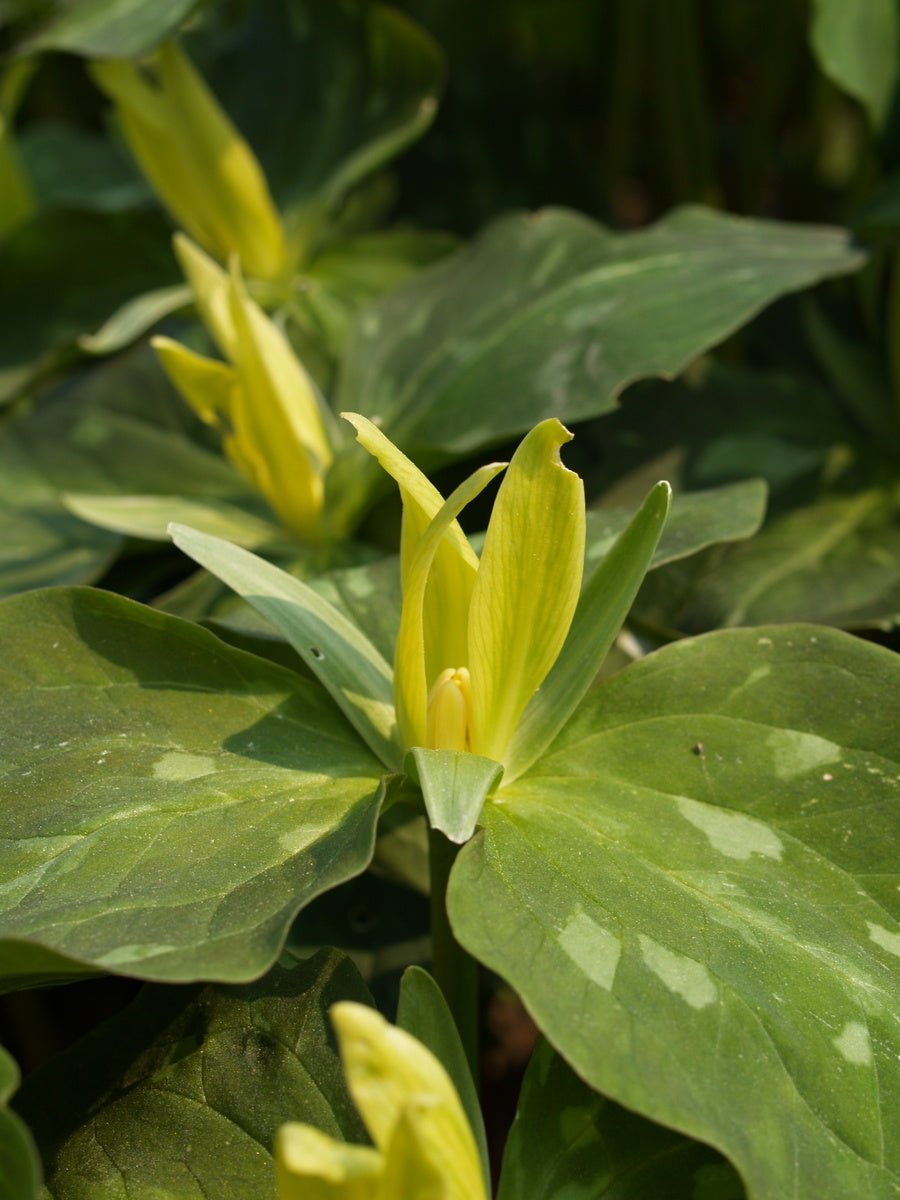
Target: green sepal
(455,785)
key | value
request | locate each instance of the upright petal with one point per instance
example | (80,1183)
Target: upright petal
(199,165)
(452,574)
(400,1088)
(527,585)
(412,683)
(210,285)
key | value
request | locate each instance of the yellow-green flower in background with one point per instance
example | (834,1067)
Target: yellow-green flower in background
(424,1148)
(197,162)
(478,636)
(274,424)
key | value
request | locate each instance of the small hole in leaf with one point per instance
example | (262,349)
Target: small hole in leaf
(317,653)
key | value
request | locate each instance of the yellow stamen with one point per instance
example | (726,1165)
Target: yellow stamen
(449,710)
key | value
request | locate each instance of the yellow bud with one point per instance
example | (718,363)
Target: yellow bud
(449,711)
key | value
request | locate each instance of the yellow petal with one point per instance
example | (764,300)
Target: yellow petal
(312,1166)
(527,586)
(412,1169)
(452,575)
(206,384)
(277,418)
(394,1081)
(199,165)
(211,288)
(412,678)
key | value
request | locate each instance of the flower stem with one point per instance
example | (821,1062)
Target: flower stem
(455,971)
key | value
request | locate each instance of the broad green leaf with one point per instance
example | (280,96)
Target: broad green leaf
(108,28)
(569,1141)
(20,1169)
(703,867)
(857,44)
(549,313)
(338,654)
(602,608)
(168,803)
(455,785)
(836,561)
(423,1012)
(182,1093)
(150,517)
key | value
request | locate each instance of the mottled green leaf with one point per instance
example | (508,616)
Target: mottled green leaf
(569,1141)
(703,869)
(167,803)
(182,1093)
(548,314)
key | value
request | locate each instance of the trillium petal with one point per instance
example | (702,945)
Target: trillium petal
(312,1166)
(210,286)
(199,165)
(412,680)
(415,1167)
(207,384)
(452,575)
(527,586)
(400,1088)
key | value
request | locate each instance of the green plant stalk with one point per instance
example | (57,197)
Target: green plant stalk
(454,969)
(892,323)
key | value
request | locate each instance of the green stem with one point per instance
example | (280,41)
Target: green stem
(455,971)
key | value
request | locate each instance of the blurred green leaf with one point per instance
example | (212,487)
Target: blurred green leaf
(168,803)
(71,167)
(20,1169)
(182,1093)
(356,83)
(107,28)
(836,561)
(567,1140)
(703,869)
(857,43)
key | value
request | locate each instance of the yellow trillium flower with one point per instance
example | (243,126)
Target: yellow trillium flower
(273,422)
(199,165)
(478,636)
(424,1148)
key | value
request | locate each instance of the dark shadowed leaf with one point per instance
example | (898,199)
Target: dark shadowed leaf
(181,1094)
